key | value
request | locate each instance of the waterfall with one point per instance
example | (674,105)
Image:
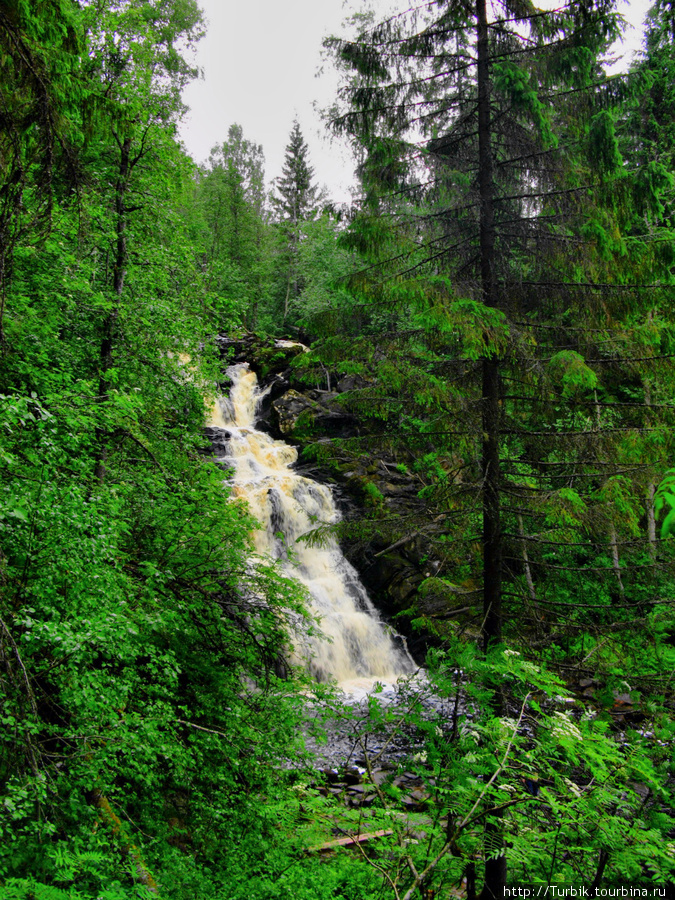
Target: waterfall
(359,647)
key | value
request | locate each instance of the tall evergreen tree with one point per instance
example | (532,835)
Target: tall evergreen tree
(294,203)
(652,123)
(461,155)
(647,141)
(296,194)
(494,219)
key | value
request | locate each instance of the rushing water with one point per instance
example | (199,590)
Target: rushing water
(359,648)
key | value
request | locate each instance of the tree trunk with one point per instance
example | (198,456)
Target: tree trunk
(288,293)
(616,562)
(602,862)
(651,519)
(651,487)
(495,867)
(119,273)
(531,590)
(140,872)
(492,535)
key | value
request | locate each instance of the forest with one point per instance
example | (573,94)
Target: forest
(477,354)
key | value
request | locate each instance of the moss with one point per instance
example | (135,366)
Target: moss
(372,494)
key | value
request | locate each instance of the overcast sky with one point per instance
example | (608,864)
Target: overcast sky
(260,62)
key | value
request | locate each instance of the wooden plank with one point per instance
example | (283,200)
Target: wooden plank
(349,840)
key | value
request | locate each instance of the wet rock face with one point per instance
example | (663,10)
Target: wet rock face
(312,414)
(265,355)
(271,361)
(276,386)
(396,575)
(289,408)
(219,439)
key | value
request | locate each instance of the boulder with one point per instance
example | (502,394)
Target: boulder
(316,413)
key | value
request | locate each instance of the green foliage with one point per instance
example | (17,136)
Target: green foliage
(130,617)
(566,790)
(373,494)
(325,305)
(229,225)
(568,367)
(517,262)
(664,501)
(516,84)
(603,146)
(296,195)
(43,101)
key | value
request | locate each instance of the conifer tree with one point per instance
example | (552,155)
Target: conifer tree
(296,193)
(647,139)
(494,218)
(294,203)
(460,152)
(651,134)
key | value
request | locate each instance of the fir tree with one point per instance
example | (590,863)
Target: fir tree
(494,220)
(456,111)
(296,199)
(294,203)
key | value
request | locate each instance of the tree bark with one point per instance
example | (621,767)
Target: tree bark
(495,867)
(492,534)
(616,562)
(602,862)
(110,324)
(531,590)
(140,872)
(651,519)
(651,487)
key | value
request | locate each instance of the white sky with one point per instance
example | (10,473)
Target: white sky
(260,60)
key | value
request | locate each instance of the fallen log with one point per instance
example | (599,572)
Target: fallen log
(349,840)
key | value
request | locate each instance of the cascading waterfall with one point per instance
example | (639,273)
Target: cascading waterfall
(359,646)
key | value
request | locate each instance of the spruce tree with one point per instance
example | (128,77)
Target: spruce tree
(457,108)
(295,203)
(511,305)
(296,194)
(647,139)
(650,132)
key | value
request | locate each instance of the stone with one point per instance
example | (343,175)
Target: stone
(351,383)
(415,802)
(380,777)
(301,415)
(353,775)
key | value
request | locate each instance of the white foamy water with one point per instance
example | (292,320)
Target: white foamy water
(360,648)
